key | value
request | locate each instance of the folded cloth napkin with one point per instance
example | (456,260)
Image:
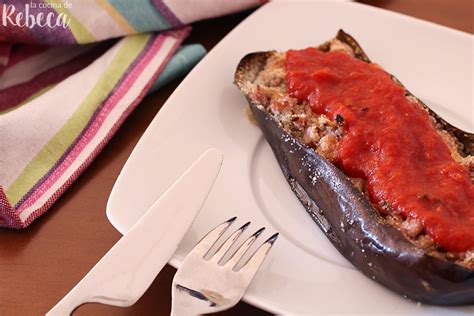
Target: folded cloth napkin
(71,71)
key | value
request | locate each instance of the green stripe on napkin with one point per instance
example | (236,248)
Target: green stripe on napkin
(56,147)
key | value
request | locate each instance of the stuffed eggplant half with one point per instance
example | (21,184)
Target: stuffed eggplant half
(386,179)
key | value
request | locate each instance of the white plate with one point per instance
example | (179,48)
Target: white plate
(304,274)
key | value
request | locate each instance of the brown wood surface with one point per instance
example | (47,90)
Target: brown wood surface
(40,264)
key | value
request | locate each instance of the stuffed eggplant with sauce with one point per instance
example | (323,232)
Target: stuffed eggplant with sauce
(386,179)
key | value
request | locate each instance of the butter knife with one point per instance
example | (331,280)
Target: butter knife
(127,270)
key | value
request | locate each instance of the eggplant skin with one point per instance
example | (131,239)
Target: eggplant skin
(348,219)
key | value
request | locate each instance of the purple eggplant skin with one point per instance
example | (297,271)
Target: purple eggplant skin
(350,222)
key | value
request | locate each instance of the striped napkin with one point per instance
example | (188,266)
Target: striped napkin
(71,71)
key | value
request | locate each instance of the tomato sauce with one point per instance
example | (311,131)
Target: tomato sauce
(389,141)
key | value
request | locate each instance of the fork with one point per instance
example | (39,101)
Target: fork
(202,286)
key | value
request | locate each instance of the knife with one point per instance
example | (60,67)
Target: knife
(126,271)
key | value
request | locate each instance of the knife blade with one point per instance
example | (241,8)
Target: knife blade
(127,270)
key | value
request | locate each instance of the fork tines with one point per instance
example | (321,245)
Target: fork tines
(205,245)
(202,286)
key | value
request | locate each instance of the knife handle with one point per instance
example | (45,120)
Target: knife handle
(68,304)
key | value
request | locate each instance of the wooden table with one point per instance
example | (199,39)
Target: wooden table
(40,264)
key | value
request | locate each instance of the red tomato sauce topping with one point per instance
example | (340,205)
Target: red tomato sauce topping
(388,141)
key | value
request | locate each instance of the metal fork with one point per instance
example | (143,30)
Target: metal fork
(202,286)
